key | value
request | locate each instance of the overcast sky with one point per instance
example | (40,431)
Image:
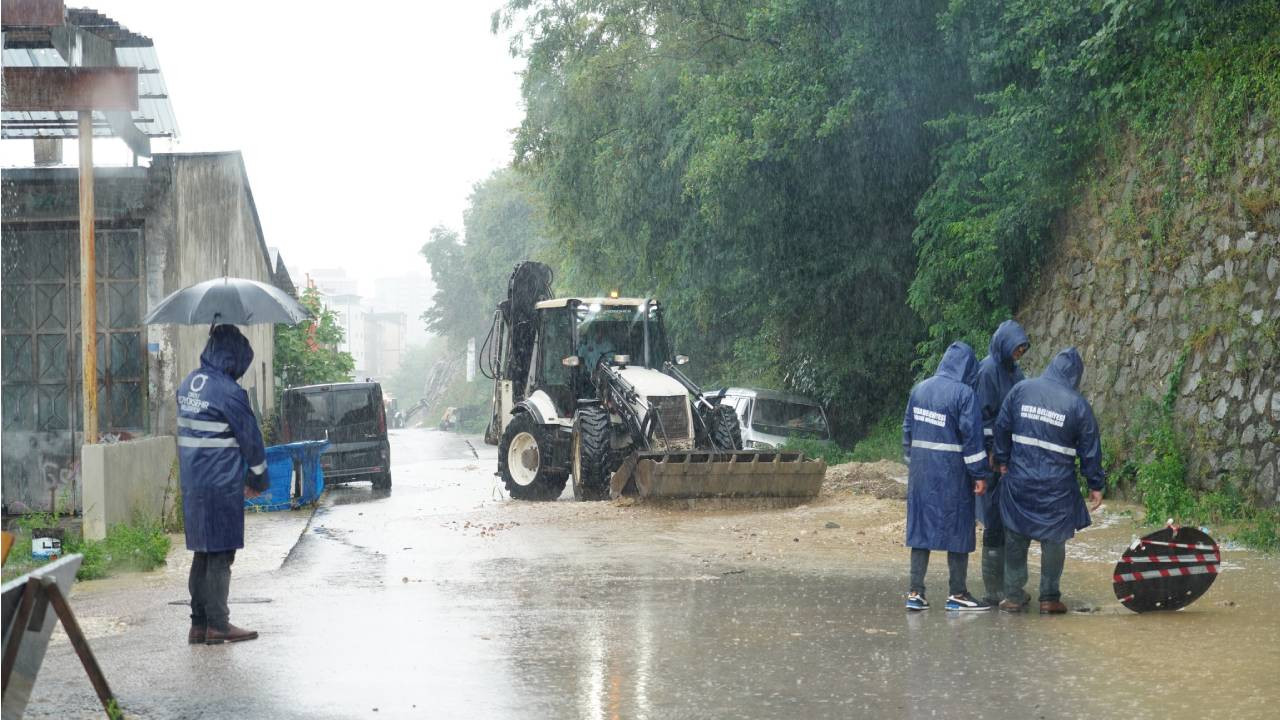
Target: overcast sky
(362,124)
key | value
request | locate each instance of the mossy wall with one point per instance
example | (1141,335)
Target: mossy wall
(1169,270)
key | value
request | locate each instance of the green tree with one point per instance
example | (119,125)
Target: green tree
(502,227)
(754,165)
(307,353)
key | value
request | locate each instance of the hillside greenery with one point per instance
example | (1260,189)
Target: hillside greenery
(825,193)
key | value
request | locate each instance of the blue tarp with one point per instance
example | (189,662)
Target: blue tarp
(281,463)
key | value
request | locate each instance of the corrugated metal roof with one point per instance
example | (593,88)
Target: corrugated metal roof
(154,116)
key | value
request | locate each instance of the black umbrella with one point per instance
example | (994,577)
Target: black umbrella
(236,301)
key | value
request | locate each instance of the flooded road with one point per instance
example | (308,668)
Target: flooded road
(443,599)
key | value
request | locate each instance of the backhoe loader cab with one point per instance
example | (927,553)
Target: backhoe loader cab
(587,387)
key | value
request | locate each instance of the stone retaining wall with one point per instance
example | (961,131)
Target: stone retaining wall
(1135,299)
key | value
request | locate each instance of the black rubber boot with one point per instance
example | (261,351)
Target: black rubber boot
(993,573)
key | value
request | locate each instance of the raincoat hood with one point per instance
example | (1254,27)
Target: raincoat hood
(959,363)
(227,351)
(1006,339)
(1067,368)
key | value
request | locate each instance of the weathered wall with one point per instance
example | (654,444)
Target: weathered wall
(1148,271)
(197,220)
(125,480)
(211,228)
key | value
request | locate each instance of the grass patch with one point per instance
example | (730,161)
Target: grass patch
(137,546)
(824,450)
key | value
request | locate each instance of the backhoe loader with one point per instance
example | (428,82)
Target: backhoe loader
(587,388)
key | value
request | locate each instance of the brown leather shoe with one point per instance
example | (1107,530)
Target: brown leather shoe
(195,636)
(1010,606)
(1052,607)
(232,634)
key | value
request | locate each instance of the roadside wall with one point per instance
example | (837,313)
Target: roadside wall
(1136,286)
(125,480)
(207,226)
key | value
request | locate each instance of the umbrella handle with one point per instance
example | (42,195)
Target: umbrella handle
(214,324)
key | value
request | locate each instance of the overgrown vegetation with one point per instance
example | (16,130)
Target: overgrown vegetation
(1150,457)
(828,192)
(136,546)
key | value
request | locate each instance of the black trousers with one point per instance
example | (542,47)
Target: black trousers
(210,584)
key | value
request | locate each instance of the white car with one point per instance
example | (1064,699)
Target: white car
(769,417)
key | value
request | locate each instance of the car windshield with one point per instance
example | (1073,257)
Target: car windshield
(616,330)
(784,417)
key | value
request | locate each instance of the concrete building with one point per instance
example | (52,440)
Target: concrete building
(409,294)
(186,218)
(384,343)
(334,281)
(350,310)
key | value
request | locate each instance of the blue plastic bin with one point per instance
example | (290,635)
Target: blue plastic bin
(294,476)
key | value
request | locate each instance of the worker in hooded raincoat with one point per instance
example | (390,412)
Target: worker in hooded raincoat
(221,461)
(1044,427)
(942,442)
(997,374)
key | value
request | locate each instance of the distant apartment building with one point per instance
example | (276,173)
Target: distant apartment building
(384,343)
(408,294)
(374,335)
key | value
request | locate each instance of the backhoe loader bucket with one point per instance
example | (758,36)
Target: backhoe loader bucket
(701,474)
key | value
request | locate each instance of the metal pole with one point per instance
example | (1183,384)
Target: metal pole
(88,283)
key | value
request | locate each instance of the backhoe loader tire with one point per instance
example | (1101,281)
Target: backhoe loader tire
(521,461)
(590,454)
(723,427)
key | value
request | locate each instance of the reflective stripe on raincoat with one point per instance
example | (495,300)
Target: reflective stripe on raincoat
(942,439)
(997,374)
(219,444)
(1044,425)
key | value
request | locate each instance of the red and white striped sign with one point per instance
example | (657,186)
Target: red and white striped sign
(1167,572)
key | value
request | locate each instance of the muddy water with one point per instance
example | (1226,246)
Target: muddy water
(445,600)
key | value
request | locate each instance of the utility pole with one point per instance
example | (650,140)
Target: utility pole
(88,283)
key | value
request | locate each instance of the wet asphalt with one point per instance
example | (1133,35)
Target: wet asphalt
(428,601)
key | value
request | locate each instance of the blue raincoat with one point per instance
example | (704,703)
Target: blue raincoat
(942,439)
(997,374)
(1044,425)
(219,444)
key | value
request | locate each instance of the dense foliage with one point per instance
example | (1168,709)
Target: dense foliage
(307,353)
(502,228)
(827,192)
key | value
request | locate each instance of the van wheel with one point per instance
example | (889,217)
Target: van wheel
(522,455)
(591,454)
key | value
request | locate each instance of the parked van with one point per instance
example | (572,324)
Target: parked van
(769,417)
(352,417)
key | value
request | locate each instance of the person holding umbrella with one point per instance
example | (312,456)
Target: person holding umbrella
(221,460)
(221,457)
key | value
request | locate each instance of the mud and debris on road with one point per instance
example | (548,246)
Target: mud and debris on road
(440,600)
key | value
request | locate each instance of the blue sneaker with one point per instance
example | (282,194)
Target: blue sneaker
(916,601)
(965,602)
